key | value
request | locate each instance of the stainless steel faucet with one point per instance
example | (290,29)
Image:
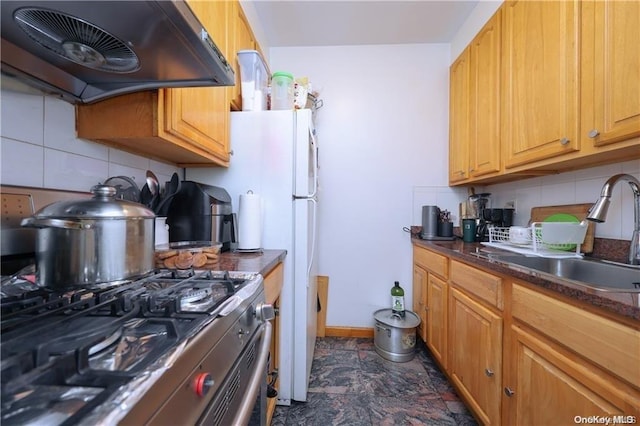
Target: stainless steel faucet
(598,212)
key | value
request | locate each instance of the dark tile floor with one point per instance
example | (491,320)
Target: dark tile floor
(351,384)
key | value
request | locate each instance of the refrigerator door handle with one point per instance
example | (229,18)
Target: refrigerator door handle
(313,148)
(314,207)
(314,178)
(314,153)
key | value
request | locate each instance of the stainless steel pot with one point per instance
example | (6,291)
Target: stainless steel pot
(92,241)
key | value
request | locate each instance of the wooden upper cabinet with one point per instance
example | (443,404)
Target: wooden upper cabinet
(201,114)
(459,118)
(242,38)
(484,137)
(540,80)
(610,71)
(187,127)
(474,132)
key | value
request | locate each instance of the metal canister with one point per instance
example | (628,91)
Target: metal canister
(394,335)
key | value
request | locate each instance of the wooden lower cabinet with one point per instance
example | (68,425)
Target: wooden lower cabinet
(569,360)
(273,282)
(520,355)
(546,385)
(437,318)
(420,299)
(430,300)
(475,355)
(274,359)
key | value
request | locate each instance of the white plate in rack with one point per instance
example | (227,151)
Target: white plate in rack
(521,244)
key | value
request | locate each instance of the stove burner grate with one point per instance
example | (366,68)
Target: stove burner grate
(80,346)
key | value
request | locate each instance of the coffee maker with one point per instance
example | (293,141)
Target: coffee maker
(201,212)
(493,217)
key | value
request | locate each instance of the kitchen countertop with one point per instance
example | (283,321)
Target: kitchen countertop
(261,263)
(625,304)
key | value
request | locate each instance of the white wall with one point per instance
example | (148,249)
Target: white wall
(39,148)
(382,134)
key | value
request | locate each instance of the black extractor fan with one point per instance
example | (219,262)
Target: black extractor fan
(77,40)
(85,51)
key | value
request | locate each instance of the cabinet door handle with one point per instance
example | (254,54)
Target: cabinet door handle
(488,372)
(508,392)
(594,133)
(564,141)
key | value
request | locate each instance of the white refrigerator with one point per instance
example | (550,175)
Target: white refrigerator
(275,155)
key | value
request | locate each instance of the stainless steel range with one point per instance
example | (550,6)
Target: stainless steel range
(169,347)
(187,348)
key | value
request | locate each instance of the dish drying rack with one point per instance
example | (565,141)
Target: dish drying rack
(545,239)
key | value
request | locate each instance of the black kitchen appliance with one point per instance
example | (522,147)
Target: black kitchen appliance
(201,212)
(89,51)
(490,217)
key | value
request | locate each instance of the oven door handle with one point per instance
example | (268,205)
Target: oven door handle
(258,376)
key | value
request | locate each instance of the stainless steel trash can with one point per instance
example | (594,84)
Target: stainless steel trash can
(395,336)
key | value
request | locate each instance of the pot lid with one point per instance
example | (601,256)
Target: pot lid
(103,205)
(387,317)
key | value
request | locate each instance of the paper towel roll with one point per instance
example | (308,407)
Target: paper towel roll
(250,222)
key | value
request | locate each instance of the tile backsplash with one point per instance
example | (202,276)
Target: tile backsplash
(40,149)
(446,198)
(576,187)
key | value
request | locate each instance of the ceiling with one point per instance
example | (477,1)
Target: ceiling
(339,23)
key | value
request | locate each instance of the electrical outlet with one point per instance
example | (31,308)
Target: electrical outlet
(512,204)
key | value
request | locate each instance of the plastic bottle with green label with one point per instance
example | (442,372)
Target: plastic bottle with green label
(397,299)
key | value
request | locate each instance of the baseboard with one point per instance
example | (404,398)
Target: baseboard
(349,332)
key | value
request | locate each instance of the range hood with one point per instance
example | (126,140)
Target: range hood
(86,51)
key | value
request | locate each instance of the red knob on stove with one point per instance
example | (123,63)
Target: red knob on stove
(203,382)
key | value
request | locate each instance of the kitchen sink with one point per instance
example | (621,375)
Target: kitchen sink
(597,274)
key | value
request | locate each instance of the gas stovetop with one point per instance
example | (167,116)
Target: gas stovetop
(66,352)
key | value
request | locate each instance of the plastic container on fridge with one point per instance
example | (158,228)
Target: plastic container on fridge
(282,90)
(254,80)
